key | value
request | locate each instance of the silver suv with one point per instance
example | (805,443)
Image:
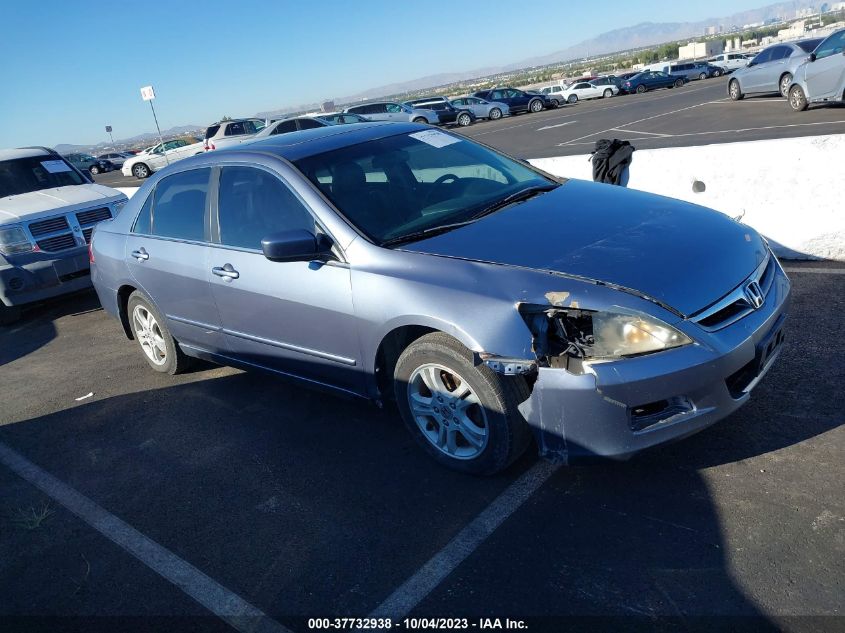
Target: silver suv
(392,111)
(228,133)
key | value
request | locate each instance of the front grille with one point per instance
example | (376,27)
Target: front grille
(92,216)
(87,233)
(50,225)
(57,243)
(736,304)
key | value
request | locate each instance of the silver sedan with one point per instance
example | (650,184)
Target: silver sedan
(771,70)
(481,108)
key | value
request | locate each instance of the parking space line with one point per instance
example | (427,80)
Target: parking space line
(549,127)
(616,129)
(745,129)
(429,576)
(817,271)
(223,603)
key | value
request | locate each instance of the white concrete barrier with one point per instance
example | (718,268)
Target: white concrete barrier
(129,191)
(790,190)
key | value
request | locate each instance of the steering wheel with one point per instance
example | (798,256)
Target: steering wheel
(442,180)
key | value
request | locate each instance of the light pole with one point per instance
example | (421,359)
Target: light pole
(148,94)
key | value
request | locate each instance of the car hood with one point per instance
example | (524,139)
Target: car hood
(682,255)
(28,206)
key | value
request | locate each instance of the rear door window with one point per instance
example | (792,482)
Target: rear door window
(286,126)
(308,124)
(235,129)
(179,202)
(253,204)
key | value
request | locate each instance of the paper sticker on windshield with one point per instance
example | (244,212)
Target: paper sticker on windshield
(435,138)
(55,166)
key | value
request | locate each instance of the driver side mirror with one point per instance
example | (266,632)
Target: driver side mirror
(812,57)
(296,246)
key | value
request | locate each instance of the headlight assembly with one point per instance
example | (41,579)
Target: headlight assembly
(117,207)
(13,240)
(593,335)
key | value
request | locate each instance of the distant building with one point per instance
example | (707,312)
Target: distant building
(711,30)
(327,106)
(794,30)
(696,50)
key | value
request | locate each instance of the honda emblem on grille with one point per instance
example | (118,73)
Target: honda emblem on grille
(754,294)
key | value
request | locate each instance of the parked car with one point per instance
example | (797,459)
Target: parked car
(607,80)
(89,164)
(771,70)
(489,299)
(391,111)
(308,123)
(446,112)
(48,209)
(625,77)
(588,90)
(482,108)
(688,70)
(729,62)
(159,156)
(821,79)
(516,100)
(711,69)
(116,158)
(652,80)
(230,133)
(554,94)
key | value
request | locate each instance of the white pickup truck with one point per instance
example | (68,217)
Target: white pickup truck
(48,210)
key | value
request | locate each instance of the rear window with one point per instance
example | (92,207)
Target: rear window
(808,46)
(34,173)
(211,131)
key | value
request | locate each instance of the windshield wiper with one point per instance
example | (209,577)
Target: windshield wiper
(518,196)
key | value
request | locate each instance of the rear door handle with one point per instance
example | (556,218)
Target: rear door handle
(141,254)
(226,271)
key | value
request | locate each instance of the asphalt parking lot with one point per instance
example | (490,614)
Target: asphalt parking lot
(166,500)
(699,113)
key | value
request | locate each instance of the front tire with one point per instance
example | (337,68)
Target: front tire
(734,91)
(718,73)
(495,113)
(607,94)
(679,83)
(464,119)
(785,82)
(463,414)
(157,345)
(140,171)
(535,106)
(94,170)
(797,99)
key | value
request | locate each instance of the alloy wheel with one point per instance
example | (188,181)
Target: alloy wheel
(148,334)
(448,411)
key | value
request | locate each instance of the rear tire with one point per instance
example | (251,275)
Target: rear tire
(158,347)
(9,314)
(797,99)
(679,83)
(641,89)
(464,119)
(607,94)
(784,84)
(94,170)
(702,76)
(718,73)
(495,113)
(470,421)
(734,91)
(420,119)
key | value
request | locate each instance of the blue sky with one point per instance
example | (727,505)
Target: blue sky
(73,67)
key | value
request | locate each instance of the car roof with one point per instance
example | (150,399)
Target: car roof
(22,152)
(294,146)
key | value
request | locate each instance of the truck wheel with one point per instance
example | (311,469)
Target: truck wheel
(463,414)
(9,314)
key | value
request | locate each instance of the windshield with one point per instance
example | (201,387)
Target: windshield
(409,183)
(34,173)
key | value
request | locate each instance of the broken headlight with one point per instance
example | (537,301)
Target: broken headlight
(586,334)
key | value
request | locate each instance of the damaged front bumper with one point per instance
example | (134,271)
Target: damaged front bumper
(618,408)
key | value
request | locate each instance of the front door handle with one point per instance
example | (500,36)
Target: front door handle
(226,271)
(141,254)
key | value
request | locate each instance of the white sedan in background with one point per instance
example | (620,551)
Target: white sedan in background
(159,156)
(587,90)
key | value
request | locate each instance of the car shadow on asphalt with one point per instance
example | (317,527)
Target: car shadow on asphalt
(308,505)
(36,326)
